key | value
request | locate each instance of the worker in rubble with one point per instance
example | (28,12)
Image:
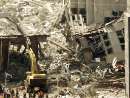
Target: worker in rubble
(1,92)
(8,94)
(40,94)
(17,94)
(12,93)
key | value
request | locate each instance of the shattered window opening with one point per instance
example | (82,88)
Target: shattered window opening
(82,11)
(110,50)
(123,47)
(121,39)
(107,43)
(74,10)
(120,33)
(105,36)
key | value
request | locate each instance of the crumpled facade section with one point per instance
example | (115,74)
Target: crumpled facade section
(33,17)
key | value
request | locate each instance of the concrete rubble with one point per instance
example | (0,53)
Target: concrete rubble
(71,70)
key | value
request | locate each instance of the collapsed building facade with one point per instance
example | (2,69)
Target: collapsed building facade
(99,20)
(88,40)
(78,35)
(98,11)
(21,23)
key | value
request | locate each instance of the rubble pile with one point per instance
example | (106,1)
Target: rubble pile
(71,71)
(33,17)
(73,74)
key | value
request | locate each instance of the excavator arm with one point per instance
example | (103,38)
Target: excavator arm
(32,59)
(34,78)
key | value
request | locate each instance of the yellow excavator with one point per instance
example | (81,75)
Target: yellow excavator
(35,78)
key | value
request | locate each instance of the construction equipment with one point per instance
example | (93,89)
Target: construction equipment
(35,78)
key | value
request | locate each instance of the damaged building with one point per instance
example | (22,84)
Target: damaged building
(98,11)
(63,48)
(96,17)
